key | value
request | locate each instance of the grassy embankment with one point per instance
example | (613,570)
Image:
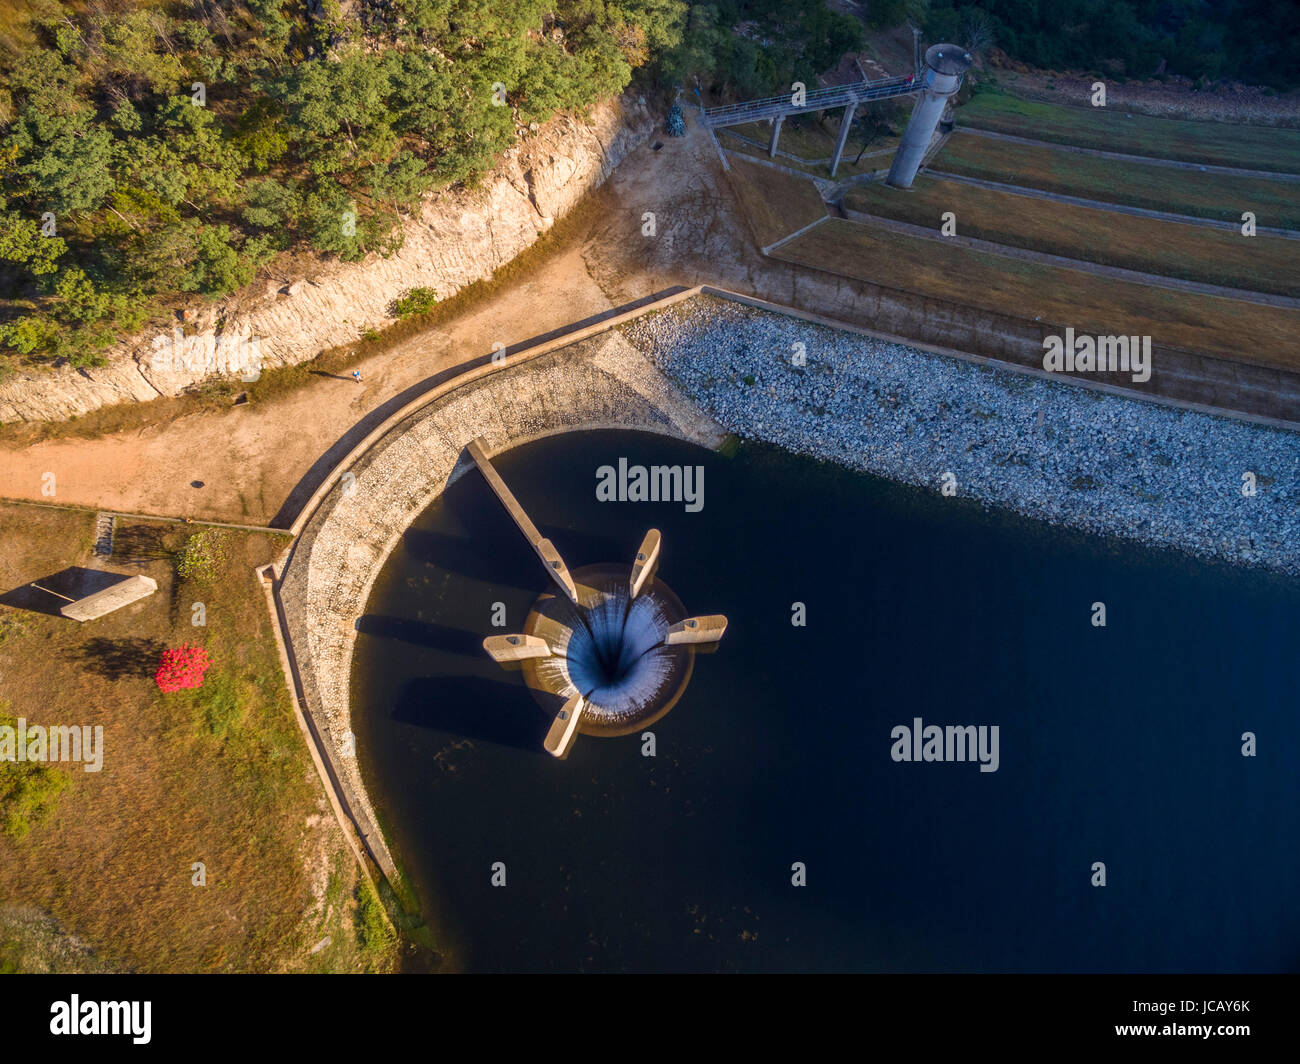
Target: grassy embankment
(1202,195)
(220,775)
(1223,327)
(1169,249)
(1229,328)
(776,204)
(1112,129)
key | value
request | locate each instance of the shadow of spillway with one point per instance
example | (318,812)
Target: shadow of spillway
(465,557)
(422,633)
(474,707)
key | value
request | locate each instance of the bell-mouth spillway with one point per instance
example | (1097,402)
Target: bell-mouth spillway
(613,652)
(609,648)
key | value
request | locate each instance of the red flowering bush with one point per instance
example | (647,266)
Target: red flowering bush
(181,667)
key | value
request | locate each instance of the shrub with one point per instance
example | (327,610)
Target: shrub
(373,933)
(204,556)
(416,301)
(181,668)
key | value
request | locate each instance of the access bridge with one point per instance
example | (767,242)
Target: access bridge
(777,108)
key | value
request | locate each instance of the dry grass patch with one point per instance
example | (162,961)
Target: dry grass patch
(1170,249)
(220,775)
(1157,188)
(776,203)
(1113,129)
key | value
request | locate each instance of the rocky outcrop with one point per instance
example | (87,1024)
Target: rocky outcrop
(461,236)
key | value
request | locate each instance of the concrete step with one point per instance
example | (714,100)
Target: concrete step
(104,524)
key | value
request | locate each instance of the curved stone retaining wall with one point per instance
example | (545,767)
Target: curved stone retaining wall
(600,382)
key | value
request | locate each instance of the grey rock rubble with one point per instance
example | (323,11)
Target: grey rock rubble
(1050,450)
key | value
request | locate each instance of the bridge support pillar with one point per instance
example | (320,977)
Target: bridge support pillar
(776,133)
(846,121)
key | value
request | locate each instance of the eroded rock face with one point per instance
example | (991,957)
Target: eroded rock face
(460,236)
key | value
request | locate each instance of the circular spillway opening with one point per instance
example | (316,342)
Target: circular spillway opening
(608,648)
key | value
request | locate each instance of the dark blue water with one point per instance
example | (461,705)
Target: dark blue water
(1119,744)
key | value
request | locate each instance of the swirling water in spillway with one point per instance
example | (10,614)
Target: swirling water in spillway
(613,657)
(615,660)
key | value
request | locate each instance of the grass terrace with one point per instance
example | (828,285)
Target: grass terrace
(1170,249)
(1246,332)
(809,140)
(1111,129)
(776,204)
(1202,195)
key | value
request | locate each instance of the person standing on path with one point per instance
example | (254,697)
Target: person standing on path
(356,375)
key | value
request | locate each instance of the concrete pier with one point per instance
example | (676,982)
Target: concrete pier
(544,548)
(776,135)
(130,589)
(945,66)
(846,123)
(708,629)
(505,648)
(646,563)
(564,729)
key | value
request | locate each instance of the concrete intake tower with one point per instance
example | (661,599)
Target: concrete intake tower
(945,65)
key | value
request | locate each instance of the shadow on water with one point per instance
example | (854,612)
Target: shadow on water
(422,633)
(464,556)
(579,548)
(474,707)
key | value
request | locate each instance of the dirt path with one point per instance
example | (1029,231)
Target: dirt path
(249,458)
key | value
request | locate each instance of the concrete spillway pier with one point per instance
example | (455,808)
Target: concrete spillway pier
(507,648)
(564,729)
(697,630)
(545,549)
(945,66)
(646,563)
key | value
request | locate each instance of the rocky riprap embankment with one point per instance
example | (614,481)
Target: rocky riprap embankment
(1046,449)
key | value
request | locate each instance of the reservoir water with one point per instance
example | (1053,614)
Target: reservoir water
(1119,745)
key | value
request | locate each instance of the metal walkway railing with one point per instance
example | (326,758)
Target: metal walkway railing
(817,100)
